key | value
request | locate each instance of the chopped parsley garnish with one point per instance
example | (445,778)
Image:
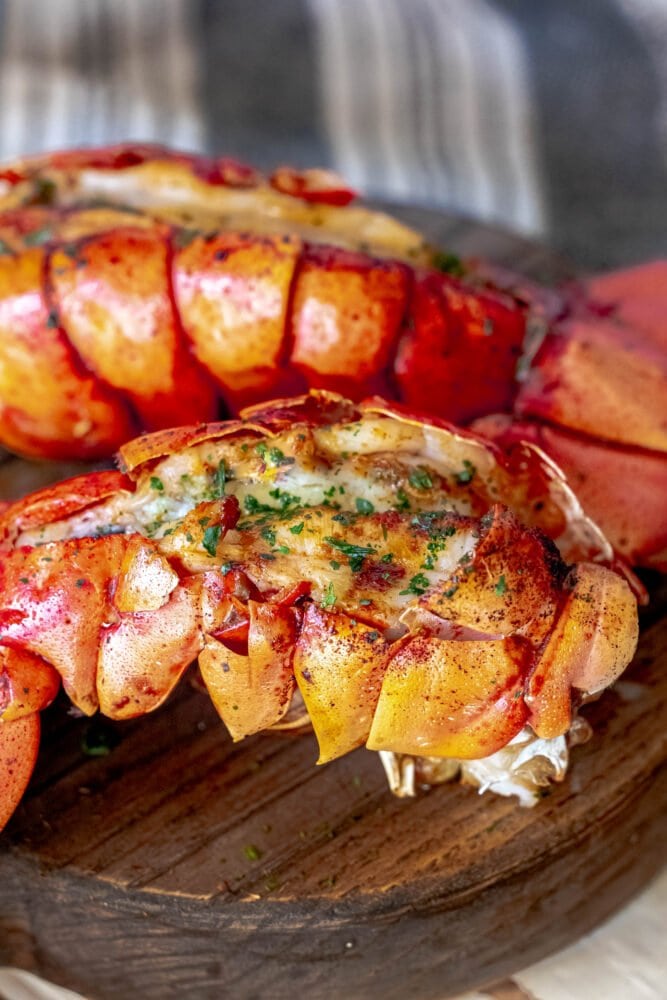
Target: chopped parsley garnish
(283,550)
(38,237)
(355,553)
(346,518)
(420,478)
(269,535)
(272,454)
(501,586)
(286,503)
(364,506)
(389,557)
(211,539)
(296,529)
(157,484)
(279,457)
(335,564)
(418,585)
(219,480)
(329,598)
(448,263)
(467,473)
(402,500)
(252,852)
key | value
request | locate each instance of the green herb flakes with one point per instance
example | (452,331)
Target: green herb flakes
(219,480)
(420,479)
(329,598)
(355,553)
(419,584)
(467,473)
(448,263)
(402,500)
(211,539)
(364,506)
(269,535)
(252,852)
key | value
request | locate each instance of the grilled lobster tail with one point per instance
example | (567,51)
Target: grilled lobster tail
(139,287)
(399,577)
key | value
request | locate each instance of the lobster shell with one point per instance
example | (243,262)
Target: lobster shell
(140,287)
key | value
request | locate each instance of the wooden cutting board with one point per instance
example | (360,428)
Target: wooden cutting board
(182,865)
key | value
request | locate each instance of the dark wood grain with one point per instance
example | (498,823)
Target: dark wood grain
(184,865)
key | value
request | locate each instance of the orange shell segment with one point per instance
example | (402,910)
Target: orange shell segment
(113,296)
(346,315)
(143,656)
(55,600)
(457,358)
(145,580)
(592,643)
(51,406)
(594,378)
(448,698)
(19,745)
(232,292)
(61,500)
(252,692)
(339,664)
(27,683)
(613,483)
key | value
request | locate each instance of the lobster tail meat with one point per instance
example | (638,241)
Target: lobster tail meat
(393,574)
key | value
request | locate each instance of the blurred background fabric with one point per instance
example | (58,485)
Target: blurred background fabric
(548,118)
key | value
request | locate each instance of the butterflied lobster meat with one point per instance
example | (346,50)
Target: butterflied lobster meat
(399,579)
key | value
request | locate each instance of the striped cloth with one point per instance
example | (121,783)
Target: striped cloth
(549,118)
